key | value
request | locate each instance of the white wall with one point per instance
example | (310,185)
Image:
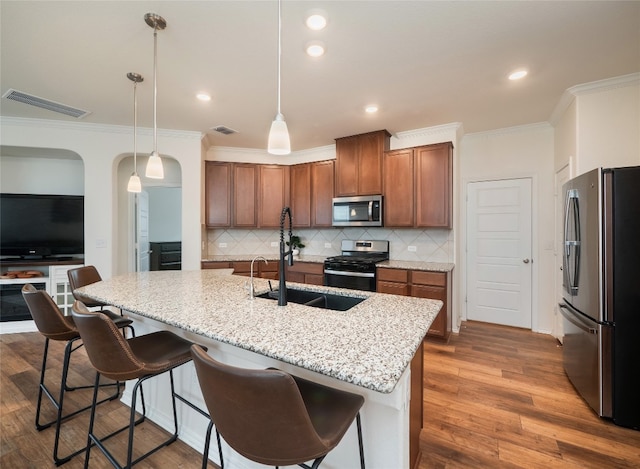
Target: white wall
(608,128)
(101,148)
(26,175)
(517,152)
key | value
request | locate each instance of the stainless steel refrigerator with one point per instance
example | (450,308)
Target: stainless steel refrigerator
(601,304)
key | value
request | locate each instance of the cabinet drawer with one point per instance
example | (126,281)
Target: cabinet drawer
(242,267)
(215,265)
(393,275)
(306,267)
(421,277)
(433,293)
(394,288)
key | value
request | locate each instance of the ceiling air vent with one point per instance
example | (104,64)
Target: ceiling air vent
(26,98)
(224,130)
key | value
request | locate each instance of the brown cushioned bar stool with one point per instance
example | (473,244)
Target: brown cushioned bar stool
(80,277)
(53,325)
(272,417)
(139,358)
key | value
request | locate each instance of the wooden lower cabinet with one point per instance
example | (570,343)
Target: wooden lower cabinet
(421,284)
(260,269)
(311,273)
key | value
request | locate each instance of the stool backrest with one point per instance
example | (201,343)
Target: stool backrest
(259,413)
(108,351)
(80,277)
(47,316)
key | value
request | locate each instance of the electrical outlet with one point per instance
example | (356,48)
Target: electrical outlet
(412,248)
(222,245)
(327,245)
(274,244)
(101,243)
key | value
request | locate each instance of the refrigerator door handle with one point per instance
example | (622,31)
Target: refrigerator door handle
(573,317)
(571,263)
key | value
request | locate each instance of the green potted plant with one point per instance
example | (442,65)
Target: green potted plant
(296,244)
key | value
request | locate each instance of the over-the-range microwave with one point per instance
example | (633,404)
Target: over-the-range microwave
(363,210)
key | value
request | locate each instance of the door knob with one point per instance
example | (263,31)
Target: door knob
(526,261)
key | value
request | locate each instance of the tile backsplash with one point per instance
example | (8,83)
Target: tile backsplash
(431,245)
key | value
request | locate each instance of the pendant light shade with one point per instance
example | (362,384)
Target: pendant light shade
(134,181)
(155,169)
(279,142)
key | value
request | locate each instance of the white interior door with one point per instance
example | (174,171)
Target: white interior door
(562,176)
(142,232)
(499,268)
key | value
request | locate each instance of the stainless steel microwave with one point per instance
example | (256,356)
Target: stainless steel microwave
(363,210)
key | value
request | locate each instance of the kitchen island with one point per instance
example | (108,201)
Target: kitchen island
(369,349)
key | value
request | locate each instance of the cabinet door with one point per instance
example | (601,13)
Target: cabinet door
(434,182)
(217,190)
(273,194)
(322,178)
(398,188)
(439,326)
(301,195)
(372,147)
(347,149)
(245,177)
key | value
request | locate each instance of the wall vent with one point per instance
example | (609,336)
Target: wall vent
(26,98)
(224,130)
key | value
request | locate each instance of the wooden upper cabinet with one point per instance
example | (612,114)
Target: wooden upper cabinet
(359,163)
(301,195)
(273,194)
(322,181)
(399,188)
(245,178)
(217,189)
(434,185)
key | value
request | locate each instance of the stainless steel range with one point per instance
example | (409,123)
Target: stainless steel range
(356,267)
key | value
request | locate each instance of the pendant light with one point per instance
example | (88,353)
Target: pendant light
(134,181)
(279,143)
(155,169)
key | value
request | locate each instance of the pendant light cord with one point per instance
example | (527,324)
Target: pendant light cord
(135,125)
(279,49)
(155,89)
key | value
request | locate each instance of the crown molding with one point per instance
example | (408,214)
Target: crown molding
(90,127)
(587,88)
(510,130)
(454,127)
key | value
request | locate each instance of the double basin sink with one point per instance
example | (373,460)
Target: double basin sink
(316,299)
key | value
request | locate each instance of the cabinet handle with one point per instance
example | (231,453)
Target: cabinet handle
(526,261)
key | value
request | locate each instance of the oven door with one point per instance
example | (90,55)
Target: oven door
(351,280)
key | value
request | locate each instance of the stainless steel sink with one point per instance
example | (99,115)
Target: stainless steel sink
(316,299)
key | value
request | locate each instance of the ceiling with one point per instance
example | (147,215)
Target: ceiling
(423,63)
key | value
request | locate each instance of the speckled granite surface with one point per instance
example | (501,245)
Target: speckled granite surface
(417,265)
(369,345)
(274,257)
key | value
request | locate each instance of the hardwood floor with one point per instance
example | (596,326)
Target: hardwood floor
(498,397)
(494,397)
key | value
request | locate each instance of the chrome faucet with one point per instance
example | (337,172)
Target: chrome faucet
(282,290)
(251,287)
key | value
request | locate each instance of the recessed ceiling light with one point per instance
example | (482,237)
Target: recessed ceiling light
(315,49)
(371,108)
(203,97)
(518,74)
(316,20)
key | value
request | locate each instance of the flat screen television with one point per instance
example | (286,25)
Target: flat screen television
(35,226)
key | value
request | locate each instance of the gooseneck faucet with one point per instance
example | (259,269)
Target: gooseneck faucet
(282,290)
(251,287)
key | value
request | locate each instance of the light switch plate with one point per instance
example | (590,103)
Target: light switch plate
(327,245)
(274,244)
(222,245)
(412,248)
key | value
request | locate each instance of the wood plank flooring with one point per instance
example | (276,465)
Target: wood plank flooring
(497,396)
(494,397)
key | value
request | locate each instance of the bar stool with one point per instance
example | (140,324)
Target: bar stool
(53,325)
(272,417)
(80,277)
(139,358)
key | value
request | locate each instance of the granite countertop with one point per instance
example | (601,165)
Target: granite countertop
(370,345)
(417,265)
(269,257)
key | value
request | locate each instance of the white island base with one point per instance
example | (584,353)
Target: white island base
(385,417)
